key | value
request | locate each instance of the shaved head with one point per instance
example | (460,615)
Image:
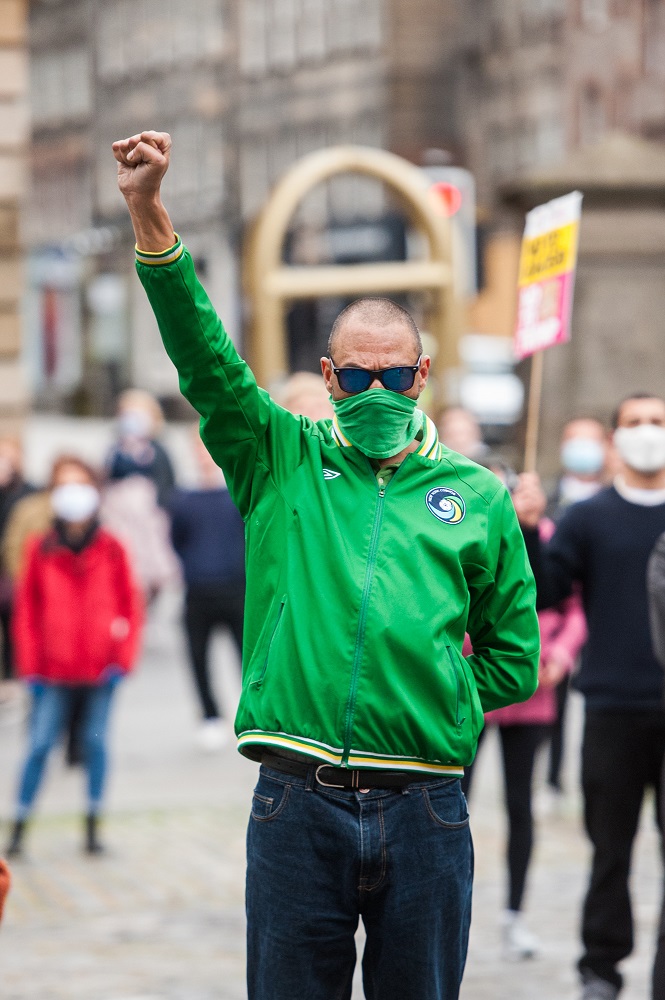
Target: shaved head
(374,312)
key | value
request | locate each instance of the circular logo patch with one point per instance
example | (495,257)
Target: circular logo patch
(446,504)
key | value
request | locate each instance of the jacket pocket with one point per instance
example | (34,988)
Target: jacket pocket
(459,681)
(258,681)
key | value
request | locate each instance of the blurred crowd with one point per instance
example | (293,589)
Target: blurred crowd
(84,557)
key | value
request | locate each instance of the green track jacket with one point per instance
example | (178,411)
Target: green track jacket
(358,594)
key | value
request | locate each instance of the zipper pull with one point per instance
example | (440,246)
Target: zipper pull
(382,486)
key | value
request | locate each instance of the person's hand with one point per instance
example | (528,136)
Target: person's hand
(550,673)
(111,675)
(529,500)
(143,159)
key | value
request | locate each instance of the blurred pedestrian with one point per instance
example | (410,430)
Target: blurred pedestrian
(370,547)
(522,728)
(460,431)
(130,510)
(656,591)
(305,393)
(208,535)
(137,450)
(13,488)
(603,545)
(584,460)
(5,884)
(583,454)
(76,627)
(31,515)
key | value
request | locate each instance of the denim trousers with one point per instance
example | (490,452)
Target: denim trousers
(319,859)
(51,709)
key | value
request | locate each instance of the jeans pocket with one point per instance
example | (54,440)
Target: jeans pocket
(268,807)
(446,805)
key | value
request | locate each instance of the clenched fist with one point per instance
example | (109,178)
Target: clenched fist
(143,160)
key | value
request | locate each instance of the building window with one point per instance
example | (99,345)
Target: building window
(311,30)
(344,18)
(550,139)
(282,34)
(253,37)
(60,205)
(592,114)
(199,176)
(157,33)
(654,38)
(60,86)
(594,14)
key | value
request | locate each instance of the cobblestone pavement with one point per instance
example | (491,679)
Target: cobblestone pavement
(160,917)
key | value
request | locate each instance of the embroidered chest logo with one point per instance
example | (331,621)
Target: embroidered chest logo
(447,505)
(329,474)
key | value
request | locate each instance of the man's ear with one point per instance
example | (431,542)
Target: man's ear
(327,372)
(423,371)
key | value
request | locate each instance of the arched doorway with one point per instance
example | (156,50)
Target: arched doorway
(270,283)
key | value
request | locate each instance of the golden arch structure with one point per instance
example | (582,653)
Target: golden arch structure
(270,284)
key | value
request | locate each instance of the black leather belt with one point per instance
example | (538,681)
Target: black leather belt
(344,777)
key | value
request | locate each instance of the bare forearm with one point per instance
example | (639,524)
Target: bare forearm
(152,226)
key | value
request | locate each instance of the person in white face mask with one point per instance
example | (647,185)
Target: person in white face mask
(583,456)
(77,624)
(603,546)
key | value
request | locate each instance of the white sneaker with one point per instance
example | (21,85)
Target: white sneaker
(518,942)
(548,803)
(594,988)
(212,735)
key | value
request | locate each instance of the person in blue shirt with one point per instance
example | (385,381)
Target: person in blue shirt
(208,536)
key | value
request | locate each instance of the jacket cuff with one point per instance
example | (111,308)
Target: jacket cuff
(163,257)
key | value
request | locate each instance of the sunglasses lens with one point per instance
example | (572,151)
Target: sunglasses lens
(353,379)
(398,379)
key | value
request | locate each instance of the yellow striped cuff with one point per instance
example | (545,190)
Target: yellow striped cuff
(163,257)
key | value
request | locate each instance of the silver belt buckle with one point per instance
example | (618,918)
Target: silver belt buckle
(326,784)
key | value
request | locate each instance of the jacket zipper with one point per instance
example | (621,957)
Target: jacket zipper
(456,671)
(259,680)
(362,619)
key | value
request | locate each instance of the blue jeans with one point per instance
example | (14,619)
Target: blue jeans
(319,858)
(50,714)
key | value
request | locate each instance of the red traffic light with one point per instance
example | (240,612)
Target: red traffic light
(449,196)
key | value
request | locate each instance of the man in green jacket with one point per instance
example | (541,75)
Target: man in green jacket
(371,550)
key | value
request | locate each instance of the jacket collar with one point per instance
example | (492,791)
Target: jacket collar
(429,448)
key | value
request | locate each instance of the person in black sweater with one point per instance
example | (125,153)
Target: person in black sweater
(603,544)
(208,535)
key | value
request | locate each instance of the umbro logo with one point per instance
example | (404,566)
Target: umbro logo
(329,474)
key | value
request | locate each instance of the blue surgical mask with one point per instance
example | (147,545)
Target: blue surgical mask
(582,456)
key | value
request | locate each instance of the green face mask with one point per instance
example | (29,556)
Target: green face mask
(380,423)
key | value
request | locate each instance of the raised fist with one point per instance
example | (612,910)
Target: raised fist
(143,160)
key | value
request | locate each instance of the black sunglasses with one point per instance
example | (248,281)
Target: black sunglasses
(398,379)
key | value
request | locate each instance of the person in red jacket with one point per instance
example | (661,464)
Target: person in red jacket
(77,625)
(5,884)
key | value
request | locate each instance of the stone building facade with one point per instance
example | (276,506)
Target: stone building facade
(246,87)
(14,131)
